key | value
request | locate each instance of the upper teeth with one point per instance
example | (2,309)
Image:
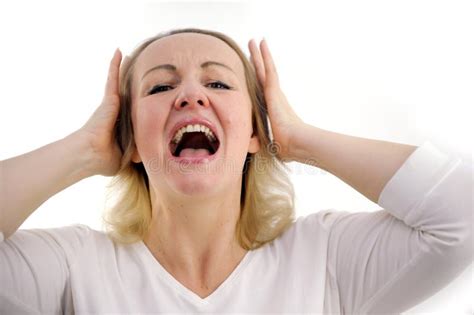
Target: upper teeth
(193,128)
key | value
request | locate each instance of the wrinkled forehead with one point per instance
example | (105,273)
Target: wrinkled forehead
(188,51)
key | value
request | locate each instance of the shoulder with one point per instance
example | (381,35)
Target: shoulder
(73,234)
(323,219)
(80,235)
(69,240)
(312,227)
(305,243)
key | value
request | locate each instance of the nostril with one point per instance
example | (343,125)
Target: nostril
(185,103)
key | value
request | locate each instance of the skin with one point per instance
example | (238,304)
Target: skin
(364,164)
(194,212)
(192,233)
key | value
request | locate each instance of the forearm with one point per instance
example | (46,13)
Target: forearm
(30,179)
(365,164)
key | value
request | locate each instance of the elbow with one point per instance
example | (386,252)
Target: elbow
(457,241)
(5,233)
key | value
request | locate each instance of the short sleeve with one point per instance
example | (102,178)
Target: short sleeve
(389,260)
(34,268)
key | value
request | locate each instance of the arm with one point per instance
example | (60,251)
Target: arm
(365,164)
(389,260)
(28,180)
(385,261)
(35,269)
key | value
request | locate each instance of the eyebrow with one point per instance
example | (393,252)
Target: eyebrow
(172,68)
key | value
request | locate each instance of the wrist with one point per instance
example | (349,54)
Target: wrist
(301,144)
(295,143)
(79,143)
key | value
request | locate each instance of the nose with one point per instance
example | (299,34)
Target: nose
(191,96)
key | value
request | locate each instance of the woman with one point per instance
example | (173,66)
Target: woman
(204,219)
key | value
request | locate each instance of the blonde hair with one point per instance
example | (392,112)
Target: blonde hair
(267,195)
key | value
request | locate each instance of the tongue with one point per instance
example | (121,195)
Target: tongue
(194,153)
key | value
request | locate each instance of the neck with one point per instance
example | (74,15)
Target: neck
(193,236)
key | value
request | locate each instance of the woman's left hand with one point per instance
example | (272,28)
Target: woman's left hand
(283,120)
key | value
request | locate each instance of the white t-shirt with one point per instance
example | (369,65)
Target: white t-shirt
(328,262)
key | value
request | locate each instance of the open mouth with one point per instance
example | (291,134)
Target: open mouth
(194,141)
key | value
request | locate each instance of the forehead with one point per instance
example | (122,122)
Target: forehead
(188,49)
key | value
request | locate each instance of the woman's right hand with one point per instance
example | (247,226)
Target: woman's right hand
(99,129)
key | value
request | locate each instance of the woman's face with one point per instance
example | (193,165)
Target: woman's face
(191,79)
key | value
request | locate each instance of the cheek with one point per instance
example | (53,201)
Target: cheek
(237,120)
(149,120)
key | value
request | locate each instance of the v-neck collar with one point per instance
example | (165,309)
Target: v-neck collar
(154,264)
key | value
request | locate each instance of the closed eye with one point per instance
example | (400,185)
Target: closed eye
(159,89)
(218,85)
(164,88)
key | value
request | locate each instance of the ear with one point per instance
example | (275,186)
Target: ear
(254,144)
(136,156)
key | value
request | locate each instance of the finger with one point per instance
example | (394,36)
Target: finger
(270,68)
(112,85)
(126,60)
(257,61)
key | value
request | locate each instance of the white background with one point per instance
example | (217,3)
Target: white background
(400,71)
